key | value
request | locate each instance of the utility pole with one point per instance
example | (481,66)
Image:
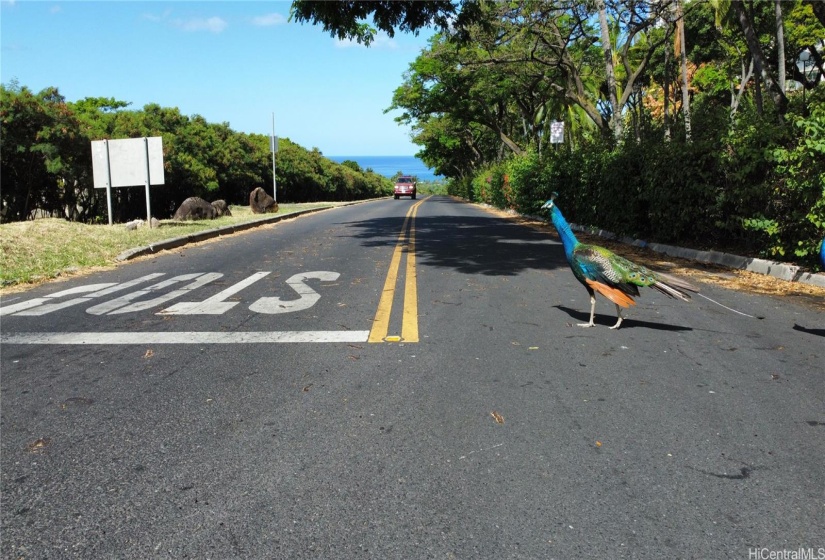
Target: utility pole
(274,148)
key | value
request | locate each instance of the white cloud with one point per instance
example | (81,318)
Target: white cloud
(153,17)
(268,20)
(213,24)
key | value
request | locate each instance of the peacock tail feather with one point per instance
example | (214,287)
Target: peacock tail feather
(615,295)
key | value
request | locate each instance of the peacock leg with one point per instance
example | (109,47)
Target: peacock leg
(592,313)
(619,313)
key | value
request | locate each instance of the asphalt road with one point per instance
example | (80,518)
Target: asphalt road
(402,379)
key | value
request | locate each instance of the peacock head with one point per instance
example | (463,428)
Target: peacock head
(549,204)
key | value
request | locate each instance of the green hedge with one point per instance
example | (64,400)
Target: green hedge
(760,192)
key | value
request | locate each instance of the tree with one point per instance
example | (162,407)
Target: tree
(759,60)
(780,45)
(610,74)
(532,62)
(42,153)
(345,20)
(466,84)
(818,8)
(682,52)
(804,38)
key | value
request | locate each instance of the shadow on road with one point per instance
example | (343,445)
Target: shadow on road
(609,321)
(483,244)
(816,332)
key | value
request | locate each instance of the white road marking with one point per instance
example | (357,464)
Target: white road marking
(208,337)
(97,290)
(170,289)
(309,297)
(214,305)
(123,304)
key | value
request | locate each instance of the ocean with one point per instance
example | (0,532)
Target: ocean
(390,165)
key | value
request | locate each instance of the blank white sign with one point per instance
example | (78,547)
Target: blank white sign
(127,162)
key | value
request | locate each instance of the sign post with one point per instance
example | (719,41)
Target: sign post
(274,147)
(108,181)
(148,175)
(128,163)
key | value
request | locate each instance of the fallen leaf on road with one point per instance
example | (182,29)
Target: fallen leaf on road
(598,444)
(39,445)
(149,353)
(497,417)
(76,401)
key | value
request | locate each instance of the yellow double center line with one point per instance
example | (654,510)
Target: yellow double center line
(409,322)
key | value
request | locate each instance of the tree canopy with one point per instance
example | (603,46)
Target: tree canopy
(347,20)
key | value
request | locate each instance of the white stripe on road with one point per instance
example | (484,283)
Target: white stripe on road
(96,290)
(214,305)
(204,337)
(123,303)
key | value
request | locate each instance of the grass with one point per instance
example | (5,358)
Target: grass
(39,250)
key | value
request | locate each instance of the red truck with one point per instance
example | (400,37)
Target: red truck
(405,186)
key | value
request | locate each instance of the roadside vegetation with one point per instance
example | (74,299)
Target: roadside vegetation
(432,187)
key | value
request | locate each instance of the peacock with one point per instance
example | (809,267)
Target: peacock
(614,277)
(822,253)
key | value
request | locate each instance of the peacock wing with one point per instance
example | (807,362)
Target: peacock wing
(599,274)
(632,273)
(602,265)
(606,272)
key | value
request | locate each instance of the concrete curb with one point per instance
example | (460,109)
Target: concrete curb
(783,271)
(217,232)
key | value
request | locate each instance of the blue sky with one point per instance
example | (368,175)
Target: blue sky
(235,62)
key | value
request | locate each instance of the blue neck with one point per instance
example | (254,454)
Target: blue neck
(822,253)
(567,238)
